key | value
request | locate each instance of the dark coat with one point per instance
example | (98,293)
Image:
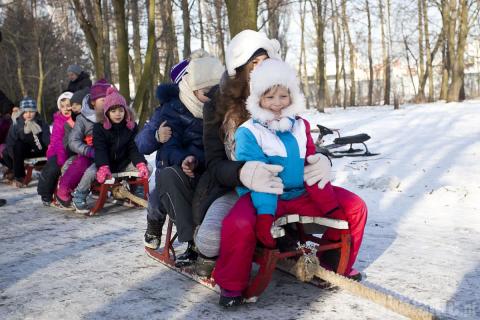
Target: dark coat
(83,81)
(145,140)
(17,135)
(6,105)
(221,175)
(116,147)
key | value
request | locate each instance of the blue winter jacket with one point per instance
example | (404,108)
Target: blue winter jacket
(187,131)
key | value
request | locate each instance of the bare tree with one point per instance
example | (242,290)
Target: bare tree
(370,59)
(351,53)
(242,14)
(319,15)
(185,6)
(122,48)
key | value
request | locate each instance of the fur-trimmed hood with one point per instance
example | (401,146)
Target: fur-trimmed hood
(269,73)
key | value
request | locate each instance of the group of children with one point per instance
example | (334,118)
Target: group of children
(92,137)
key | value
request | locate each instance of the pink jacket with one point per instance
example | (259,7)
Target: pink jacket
(56,147)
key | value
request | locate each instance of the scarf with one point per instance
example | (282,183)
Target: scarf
(33,128)
(189,99)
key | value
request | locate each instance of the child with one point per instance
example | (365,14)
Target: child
(28,137)
(114,140)
(80,142)
(274,135)
(56,152)
(151,138)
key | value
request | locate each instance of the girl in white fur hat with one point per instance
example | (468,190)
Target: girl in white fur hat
(275,135)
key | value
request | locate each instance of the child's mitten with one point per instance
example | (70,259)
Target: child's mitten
(103,173)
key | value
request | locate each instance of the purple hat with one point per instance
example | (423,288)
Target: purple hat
(114,98)
(99,89)
(178,70)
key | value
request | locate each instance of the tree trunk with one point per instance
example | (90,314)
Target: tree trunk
(458,73)
(370,59)
(122,48)
(421,69)
(351,53)
(429,67)
(320,43)
(242,14)
(386,57)
(106,40)
(200,18)
(186,29)
(140,104)
(169,38)
(137,52)
(220,36)
(336,51)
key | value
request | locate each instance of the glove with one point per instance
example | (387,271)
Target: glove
(90,153)
(317,171)
(143,170)
(103,173)
(262,230)
(260,177)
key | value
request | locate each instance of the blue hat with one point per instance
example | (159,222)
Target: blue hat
(74,68)
(178,70)
(28,104)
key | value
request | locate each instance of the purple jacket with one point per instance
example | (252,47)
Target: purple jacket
(56,147)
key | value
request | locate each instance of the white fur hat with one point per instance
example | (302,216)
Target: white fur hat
(269,73)
(244,45)
(65,95)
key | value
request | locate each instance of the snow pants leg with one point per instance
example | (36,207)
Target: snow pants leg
(72,176)
(176,190)
(48,179)
(156,213)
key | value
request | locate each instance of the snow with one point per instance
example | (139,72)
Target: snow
(422,239)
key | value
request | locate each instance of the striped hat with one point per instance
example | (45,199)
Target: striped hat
(28,104)
(178,70)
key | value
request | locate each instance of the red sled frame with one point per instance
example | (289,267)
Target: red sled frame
(267,259)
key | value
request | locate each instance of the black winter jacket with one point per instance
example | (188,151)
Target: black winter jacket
(16,135)
(116,147)
(83,81)
(222,174)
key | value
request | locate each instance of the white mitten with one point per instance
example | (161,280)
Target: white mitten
(260,177)
(317,171)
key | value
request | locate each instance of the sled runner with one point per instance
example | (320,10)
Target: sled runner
(33,164)
(119,186)
(340,141)
(270,259)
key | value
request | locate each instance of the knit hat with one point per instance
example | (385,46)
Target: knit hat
(269,73)
(244,45)
(78,95)
(178,70)
(28,104)
(112,99)
(203,70)
(65,95)
(74,68)
(99,89)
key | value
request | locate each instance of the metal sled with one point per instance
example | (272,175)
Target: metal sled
(328,150)
(270,259)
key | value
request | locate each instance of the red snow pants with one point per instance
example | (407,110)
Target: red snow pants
(238,239)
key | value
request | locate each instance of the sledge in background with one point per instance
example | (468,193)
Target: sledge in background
(341,142)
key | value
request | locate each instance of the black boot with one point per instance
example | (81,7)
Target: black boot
(204,266)
(188,257)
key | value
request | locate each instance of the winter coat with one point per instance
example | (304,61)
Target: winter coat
(222,174)
(5,123)
(145,140)
(186,136)
(81,135)
(116,147)
(16,135)
(83,81)
(6,105)
(56,146)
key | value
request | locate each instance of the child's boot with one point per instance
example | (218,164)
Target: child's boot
(79,201)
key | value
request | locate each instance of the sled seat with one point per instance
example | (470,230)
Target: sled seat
(306,228)
(129,177)
(33,164)
(358,138)
(267,259)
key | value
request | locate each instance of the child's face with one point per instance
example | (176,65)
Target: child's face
(98,104)
(275,100)
(65,107)
(28,115)
(116,114)
(201,94)
(76,108)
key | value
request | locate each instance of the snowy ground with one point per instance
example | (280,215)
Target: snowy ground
(422,239)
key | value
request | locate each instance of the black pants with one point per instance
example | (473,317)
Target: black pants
(14,157)
(175,190)
(156,214)
(48,179)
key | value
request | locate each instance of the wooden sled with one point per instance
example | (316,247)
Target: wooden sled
(120,179)
(33,164)
(269,259)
